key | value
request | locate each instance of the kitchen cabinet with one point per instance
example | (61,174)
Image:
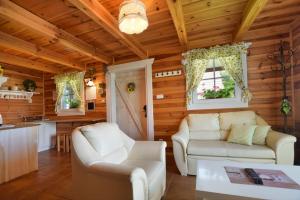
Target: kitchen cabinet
(18,152)
(46,135)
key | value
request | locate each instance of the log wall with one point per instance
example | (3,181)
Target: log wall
(67,127)
(295,31)
(264,83)
(13,111)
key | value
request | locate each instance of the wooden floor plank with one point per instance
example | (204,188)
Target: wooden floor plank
(53,181)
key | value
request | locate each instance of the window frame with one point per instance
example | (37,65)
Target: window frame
(72,111)
(236,102)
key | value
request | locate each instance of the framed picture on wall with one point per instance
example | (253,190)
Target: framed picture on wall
(91,106)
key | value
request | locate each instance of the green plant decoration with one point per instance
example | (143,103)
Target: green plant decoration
(285,107)
(75,103)
(29,85)
(227,92)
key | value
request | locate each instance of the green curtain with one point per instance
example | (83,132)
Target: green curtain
(233,65)
(75,79)
(196,61)
(195,73)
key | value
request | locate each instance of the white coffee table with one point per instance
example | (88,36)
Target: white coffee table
(213,183)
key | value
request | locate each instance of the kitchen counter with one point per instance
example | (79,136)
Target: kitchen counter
(20,125)
(64,120)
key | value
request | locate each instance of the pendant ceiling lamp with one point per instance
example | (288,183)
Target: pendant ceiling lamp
(132,17)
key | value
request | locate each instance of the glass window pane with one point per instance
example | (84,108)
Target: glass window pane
(208,75)
(68,100)
(218,74)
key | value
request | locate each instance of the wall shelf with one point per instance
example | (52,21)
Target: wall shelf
(19,95)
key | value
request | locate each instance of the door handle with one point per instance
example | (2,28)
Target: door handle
(145,110)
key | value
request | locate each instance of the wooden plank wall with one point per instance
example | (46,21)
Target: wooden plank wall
(296,47)
(264,84)
(13,111)
(67,127)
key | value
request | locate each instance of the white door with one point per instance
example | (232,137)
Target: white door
(133,111)
(131,103)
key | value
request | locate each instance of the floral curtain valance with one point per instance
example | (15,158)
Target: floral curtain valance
(196,61)
(75,80)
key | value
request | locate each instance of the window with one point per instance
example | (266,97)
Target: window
(216,83)
(68,100)
(217,89)
(70,94)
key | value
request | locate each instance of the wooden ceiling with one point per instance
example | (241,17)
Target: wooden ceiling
(67,34)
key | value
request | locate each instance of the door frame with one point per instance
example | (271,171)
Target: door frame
(111,106)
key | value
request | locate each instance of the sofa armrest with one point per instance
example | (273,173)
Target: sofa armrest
(130,182)
(148,150)
(283,146)
(180,142)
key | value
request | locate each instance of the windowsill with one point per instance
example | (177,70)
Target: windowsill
(70,112)
(208,104)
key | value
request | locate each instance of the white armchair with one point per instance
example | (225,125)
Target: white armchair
(107,164)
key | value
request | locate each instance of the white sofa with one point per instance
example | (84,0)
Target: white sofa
(107,164)
(202,136)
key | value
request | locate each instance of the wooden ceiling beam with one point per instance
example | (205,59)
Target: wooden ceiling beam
(97,12)
(252,10)
(175,7)
(23,62)
(23,46)
(34,22)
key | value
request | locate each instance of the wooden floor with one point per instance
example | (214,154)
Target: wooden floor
(53,181)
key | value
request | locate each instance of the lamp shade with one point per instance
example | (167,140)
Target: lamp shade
(132,17)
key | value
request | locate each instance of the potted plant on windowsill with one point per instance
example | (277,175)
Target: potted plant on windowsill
(75,103)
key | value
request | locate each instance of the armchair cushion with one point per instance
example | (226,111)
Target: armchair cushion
(106,139)
(148,150)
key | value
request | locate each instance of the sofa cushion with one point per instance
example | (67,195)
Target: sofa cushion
(206,148)
(254,151)
(225,149)
(203,122)
(241,134)
(205,135)
(242,117)
(104,137)
(260,134)
(204,126)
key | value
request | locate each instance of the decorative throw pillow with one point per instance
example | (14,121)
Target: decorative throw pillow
(241,134)
(260,134)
